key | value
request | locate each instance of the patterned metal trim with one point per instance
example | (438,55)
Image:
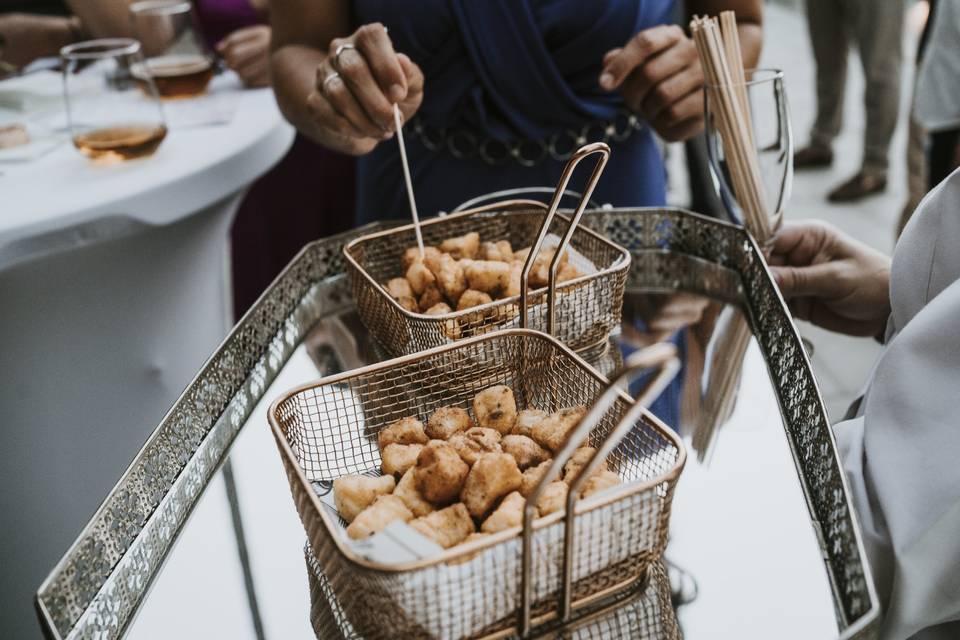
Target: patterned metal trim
(98,585)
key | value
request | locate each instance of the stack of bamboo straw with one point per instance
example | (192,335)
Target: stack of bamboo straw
(719,48)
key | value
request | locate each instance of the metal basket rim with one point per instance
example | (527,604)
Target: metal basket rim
(621,264)
(584,506)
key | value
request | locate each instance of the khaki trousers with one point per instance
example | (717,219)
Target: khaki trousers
(876,26)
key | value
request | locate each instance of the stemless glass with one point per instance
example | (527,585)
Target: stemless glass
(176,56)
(773,139)
(110,117)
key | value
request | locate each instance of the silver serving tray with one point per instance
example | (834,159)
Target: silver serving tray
(96,588)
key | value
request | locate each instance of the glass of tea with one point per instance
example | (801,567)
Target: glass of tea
(111,114)
(177,58)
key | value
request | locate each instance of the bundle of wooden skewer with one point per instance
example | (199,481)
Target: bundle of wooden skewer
(718,46)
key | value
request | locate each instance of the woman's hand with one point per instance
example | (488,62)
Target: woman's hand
(659,76)
(247,51)
(356,89)
(831,279)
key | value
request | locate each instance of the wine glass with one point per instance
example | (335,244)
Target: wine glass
(176,56)
(111,115)
(772,139)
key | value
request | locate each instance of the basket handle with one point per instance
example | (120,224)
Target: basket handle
(502,205)
(663,357)
(586,150)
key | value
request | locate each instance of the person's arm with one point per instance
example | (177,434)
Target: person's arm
(27,37)
(832,280)
(658,71)
(344,104)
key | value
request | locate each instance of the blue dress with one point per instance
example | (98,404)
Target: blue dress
(511,70)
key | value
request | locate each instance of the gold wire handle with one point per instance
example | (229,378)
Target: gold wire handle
(661,356)
(586,150)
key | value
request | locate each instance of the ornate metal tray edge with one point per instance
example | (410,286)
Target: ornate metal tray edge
(97,586)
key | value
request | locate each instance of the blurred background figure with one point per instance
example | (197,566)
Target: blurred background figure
(877,28)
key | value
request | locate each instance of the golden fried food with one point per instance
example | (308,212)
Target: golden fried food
(450,277)
(553,498)
(430,297)
(398,288)
(524,450)
(407,491)
(404,431)
(378,516)
(500,251)
(474,442)
(568,272)
(439,309)
(487,276)
(552,431)
(578,461)
(513,284)
(496,408)
(465,246)
(598,482)
(408,303)
(470,538)
(440,472)
(446,421)
(472,298)
(419,277)
(413,253)
(397,458)
(506,516)
(531,478)
(527,420)
(493,475)
(447,527)
(354,493)
(540,273)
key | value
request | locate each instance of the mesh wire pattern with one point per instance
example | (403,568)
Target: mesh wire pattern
(331,429)
(588,308)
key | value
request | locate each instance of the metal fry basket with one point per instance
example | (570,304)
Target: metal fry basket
(588,307)
(532,577)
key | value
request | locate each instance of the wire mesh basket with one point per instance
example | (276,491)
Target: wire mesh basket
(587,307)
(515,580)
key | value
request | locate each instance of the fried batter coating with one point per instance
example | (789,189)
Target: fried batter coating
(430,297)
(407,491)
(470,556)
(378,516)
(553,498)
(509,514)
(524,450)
(447,527)
(354,493)
(419,277)
(465,246)
(552,431)
(440,472)
(598,482)
(527,420)
(450,277)
(472,298)
(474,442)
(578,461)
(439,309)
(540,273)
(407,430)
(397,458)
(447,421)
(500,251)
(413,253)
(398,288)
(496,408)
(513,284)
(488,276)
(408,303)
(568,272)
(493,475)
(532,477)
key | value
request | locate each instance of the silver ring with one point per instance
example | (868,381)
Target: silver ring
(333,75)
(336,54)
